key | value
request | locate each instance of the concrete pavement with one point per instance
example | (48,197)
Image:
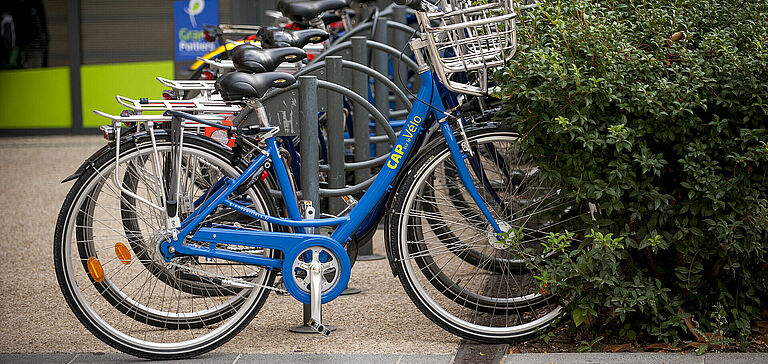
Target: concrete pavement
(557,358)
(35,318)
(381,325)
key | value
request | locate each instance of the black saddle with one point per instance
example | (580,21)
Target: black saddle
(236,86)
(305,10)
(277,37)
(250,58)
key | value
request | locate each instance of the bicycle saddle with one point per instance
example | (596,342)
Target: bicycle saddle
(309,9)
(236,86)
(252,59)
(276,37)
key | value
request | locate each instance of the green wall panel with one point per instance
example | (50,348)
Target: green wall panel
(102,82)
(35,98)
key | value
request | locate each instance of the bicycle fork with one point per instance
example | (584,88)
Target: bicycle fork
(458,156)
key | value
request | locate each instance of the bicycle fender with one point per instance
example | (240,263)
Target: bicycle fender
(88,163)
(110,148)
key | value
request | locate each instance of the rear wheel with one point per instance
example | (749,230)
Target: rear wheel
(114,277)
(445,253)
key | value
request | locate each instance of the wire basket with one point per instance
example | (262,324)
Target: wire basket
(472,38)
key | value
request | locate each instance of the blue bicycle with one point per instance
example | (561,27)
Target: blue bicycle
(167,245)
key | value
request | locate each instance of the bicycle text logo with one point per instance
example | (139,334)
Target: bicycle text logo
(409,131)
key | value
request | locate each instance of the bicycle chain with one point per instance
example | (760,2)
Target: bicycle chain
(228,279)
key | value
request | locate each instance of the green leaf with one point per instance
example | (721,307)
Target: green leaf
(578,316)
(702,349)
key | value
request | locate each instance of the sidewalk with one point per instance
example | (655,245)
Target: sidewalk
(380,325)
(34,317)
(562,358)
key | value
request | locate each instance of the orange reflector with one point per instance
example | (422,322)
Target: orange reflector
(123,253)
(95,269)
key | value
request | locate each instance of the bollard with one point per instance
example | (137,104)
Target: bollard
(310,182)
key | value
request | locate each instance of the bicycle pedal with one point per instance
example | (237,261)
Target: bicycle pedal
(319,328)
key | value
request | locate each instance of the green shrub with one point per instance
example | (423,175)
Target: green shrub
(657,113)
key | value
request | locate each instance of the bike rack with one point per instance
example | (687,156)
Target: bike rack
(389,23)
(308,92)
(336,48)
(336,139)
(382,49)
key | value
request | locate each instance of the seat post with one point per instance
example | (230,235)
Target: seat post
(346,20)
(258,108)
(317,23)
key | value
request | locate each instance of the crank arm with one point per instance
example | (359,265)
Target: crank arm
(315,300)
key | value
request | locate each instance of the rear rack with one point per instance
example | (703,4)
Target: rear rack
(141,118)
(195,105)
(219,65)
(187,85)
(237,29)
(209,110)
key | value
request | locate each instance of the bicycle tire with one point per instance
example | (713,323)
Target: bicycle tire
(126,308)
(463,295)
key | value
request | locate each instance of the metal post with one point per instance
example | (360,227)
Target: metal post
(360,86)
(310,183)
(381,93)
(335,130)
(361,132)
(335,133)
(400,41)
(310,164)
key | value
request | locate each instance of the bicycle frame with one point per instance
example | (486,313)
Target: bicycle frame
(347,225)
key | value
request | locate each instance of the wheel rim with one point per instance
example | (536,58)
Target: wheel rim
(135,288)
(495,296)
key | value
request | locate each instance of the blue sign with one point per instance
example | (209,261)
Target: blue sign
(189,17)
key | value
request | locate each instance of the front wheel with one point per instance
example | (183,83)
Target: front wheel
(445,252)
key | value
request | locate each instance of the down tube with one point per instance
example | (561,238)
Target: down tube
(397,156)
